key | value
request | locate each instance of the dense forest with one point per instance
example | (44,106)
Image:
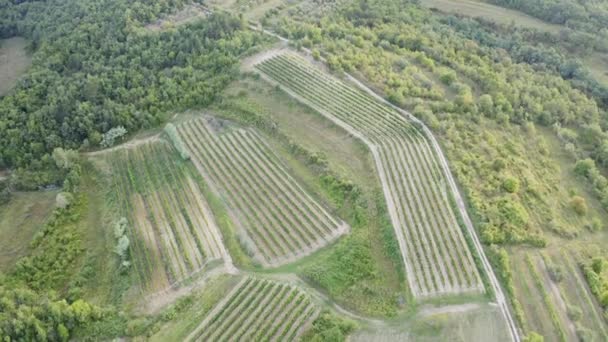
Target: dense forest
(96,68)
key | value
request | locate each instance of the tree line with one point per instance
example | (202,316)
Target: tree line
(95,67)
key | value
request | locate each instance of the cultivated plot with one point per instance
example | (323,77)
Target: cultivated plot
(437,258)
(280,220)
(172,227)
(258,310)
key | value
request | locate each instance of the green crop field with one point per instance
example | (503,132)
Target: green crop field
(437,258)
(173,231)
(282,221)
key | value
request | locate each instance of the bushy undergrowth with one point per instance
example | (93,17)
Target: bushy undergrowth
(596,273)
(329,328)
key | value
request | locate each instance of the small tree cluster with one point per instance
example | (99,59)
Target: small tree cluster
(109,138)
(596,273)
(29,316)
(122,243)
(177,141)
(510,185)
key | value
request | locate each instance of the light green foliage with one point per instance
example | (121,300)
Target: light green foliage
(448,76)
(555,272)
(510,184)
(110,137)
(502,264)
(596,273)
(29,316)
(329,327)
(588,169)
(574,313)
(63,200)
(65,159)
(534,337)
(120,227)
(486,105)
(177,141)
(122,242)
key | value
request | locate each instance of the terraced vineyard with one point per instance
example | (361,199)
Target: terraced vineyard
(173,228)
(258,310)
(281,219)
(437,258)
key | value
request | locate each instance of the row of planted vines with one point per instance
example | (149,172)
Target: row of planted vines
(280,222)
(258,310)
(172,231)
(437,258)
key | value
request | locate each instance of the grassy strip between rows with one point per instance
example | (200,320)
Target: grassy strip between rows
(546,298)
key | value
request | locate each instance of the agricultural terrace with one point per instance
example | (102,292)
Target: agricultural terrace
(171,225)
(258,310)
(282,222)
(437,258)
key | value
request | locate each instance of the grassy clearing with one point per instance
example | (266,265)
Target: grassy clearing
(252,10)
(598,65)
(532,298)
(14,61)
(575,294)
(20,219)
(491,12)
(190,13)
(482,323)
